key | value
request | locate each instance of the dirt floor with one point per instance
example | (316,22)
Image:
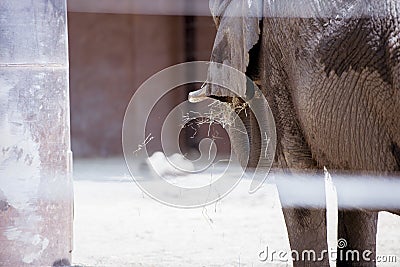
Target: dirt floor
(118,225)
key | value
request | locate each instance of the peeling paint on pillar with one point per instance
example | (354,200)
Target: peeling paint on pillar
(35,158)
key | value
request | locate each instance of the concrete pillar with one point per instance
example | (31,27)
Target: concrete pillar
(35,158)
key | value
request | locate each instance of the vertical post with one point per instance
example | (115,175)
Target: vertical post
(35,158)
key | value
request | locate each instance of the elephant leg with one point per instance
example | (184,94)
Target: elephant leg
(306,226)
(307,236)
(357,238)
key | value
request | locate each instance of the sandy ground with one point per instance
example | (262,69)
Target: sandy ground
(117,225)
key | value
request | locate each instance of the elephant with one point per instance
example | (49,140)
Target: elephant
(330,71)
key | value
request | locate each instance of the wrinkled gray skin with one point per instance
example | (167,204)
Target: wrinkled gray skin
(333,85)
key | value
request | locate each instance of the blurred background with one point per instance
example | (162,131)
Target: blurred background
(113,49)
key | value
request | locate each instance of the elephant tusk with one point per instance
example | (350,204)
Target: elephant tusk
(198,95)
